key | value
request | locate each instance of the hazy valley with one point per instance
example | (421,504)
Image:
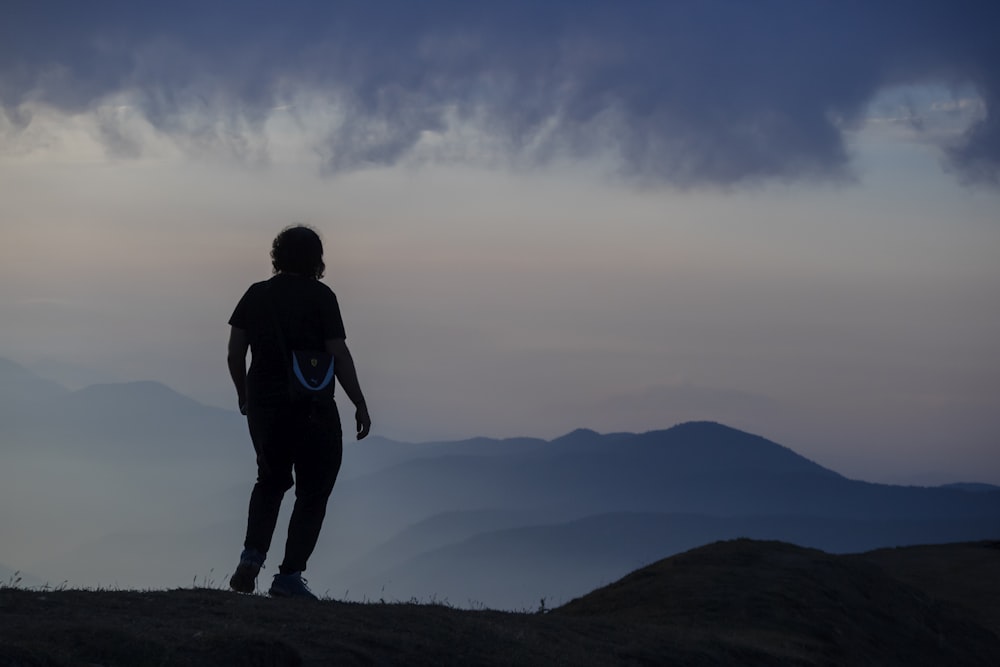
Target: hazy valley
(135,486)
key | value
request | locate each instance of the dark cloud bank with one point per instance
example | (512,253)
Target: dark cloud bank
(683,92)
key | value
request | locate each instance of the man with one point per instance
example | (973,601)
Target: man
(291,311)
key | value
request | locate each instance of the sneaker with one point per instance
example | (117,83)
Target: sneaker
(290,585)
(244,580)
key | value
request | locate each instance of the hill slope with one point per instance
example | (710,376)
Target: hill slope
(801,604)
(967,575)
(739,602)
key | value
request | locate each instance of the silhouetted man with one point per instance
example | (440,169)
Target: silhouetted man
(293,311)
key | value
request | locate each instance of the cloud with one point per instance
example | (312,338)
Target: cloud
(687,93)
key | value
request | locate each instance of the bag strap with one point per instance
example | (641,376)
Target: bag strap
(269,297)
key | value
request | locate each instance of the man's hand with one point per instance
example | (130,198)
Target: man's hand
(364,422)
(343,364)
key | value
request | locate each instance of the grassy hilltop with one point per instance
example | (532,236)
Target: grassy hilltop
(737,602)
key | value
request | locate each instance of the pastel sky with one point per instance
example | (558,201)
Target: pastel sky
(783,216)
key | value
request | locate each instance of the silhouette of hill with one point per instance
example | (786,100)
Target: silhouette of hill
(966,575)
(840,610)
(739,602)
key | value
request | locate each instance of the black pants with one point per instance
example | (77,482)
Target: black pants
(306,438)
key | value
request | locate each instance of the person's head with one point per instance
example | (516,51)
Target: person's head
(298,249)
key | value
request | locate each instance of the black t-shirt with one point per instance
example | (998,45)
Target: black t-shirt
(308,313)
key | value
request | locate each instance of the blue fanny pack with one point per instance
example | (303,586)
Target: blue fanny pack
(312,372)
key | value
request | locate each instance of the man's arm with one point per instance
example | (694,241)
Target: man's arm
(239,343)
(347,375)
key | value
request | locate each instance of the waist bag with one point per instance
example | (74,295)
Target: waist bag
(312,372)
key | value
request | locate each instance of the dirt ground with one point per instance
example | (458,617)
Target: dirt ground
(738,602)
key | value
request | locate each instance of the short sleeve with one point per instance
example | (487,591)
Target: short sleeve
(241,316)
(333,323)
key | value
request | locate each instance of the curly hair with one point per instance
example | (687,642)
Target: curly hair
(298,249)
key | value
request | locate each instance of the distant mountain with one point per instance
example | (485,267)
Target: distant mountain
(428,536)
(972,487)
(702,468)
(21,391)
(69,375)
(144,414)
(16,382)
(130,420)
(112,476)
(592,507)
(564,560)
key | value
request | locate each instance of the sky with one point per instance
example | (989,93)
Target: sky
(783,216)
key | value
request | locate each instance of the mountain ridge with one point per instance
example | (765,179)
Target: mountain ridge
(141,458)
